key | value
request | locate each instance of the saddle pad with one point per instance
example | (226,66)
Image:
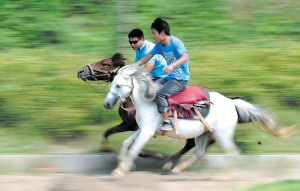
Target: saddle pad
(189,95)
(198,98)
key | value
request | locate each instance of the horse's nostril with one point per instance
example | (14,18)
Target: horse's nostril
(106,105)
(80,71)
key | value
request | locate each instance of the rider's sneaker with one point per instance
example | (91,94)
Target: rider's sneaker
(166,126)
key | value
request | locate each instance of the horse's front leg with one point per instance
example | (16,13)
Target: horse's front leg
(126,164)
(126,144)
(116,129)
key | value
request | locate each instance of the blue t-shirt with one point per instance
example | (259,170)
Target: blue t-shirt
(172,52)
(159,61)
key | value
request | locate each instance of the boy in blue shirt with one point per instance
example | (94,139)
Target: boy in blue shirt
(142,47)
(175,53)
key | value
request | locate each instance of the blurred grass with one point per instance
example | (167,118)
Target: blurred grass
(239,48)
(291,185)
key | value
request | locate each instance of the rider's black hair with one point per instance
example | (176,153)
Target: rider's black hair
(161,25)
(136,33)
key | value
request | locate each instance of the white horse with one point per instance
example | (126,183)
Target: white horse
(223,117)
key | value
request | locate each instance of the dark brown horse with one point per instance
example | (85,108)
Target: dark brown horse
(105,70)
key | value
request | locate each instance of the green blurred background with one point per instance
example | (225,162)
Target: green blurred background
(237,47)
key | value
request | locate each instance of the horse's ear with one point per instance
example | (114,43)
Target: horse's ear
(118,59)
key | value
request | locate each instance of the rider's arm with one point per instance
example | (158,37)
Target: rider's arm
(144,60)
(181,60)
(178,62)
(149,67)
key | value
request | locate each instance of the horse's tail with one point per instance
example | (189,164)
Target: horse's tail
(248,113)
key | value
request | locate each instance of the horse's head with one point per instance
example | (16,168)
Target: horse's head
(103,70)
(121,87)
(127,80)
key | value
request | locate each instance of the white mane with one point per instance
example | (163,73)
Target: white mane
(147,86)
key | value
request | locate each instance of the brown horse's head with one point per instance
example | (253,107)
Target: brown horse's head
(103,70)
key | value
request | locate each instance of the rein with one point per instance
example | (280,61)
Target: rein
(104,73)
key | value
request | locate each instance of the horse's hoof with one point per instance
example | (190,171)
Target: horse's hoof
(166,173)
(168,166)
(175,171)
(106,150)
(158,156)
(118,173)
(151,154)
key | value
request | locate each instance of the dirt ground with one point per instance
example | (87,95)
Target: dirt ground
(144,180)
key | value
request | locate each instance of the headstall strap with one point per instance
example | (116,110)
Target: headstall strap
(102,71)
(91,69)
(115,70)
(105,73)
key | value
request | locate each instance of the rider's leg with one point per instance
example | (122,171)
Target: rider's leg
(169,89)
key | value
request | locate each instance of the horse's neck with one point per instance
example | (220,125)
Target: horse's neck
(139,102)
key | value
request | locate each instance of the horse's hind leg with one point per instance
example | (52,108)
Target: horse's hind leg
(146,154)
(190,143)
(200,150)
(122,127)
(225,139)
(210,140)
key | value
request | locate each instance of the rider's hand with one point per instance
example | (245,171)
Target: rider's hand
(136,64)
(168,69)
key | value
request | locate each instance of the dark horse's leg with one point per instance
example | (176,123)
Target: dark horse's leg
(122,127)
(128,124)
(210,140)
(190,143)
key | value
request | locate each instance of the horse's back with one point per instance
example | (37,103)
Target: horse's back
(208,89)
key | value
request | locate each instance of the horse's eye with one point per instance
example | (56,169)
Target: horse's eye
(118,86)
(104,64)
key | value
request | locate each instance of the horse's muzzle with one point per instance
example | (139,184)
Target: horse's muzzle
(110,103)
(82,74)
(107,105)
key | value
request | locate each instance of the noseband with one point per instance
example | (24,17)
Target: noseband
(123,99)
(103,73)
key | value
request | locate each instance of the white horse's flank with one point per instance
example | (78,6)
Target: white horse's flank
(223,117)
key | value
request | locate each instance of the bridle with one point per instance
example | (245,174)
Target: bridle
(123,99)
(102,73)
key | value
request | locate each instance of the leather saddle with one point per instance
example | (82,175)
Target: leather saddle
(192,103)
